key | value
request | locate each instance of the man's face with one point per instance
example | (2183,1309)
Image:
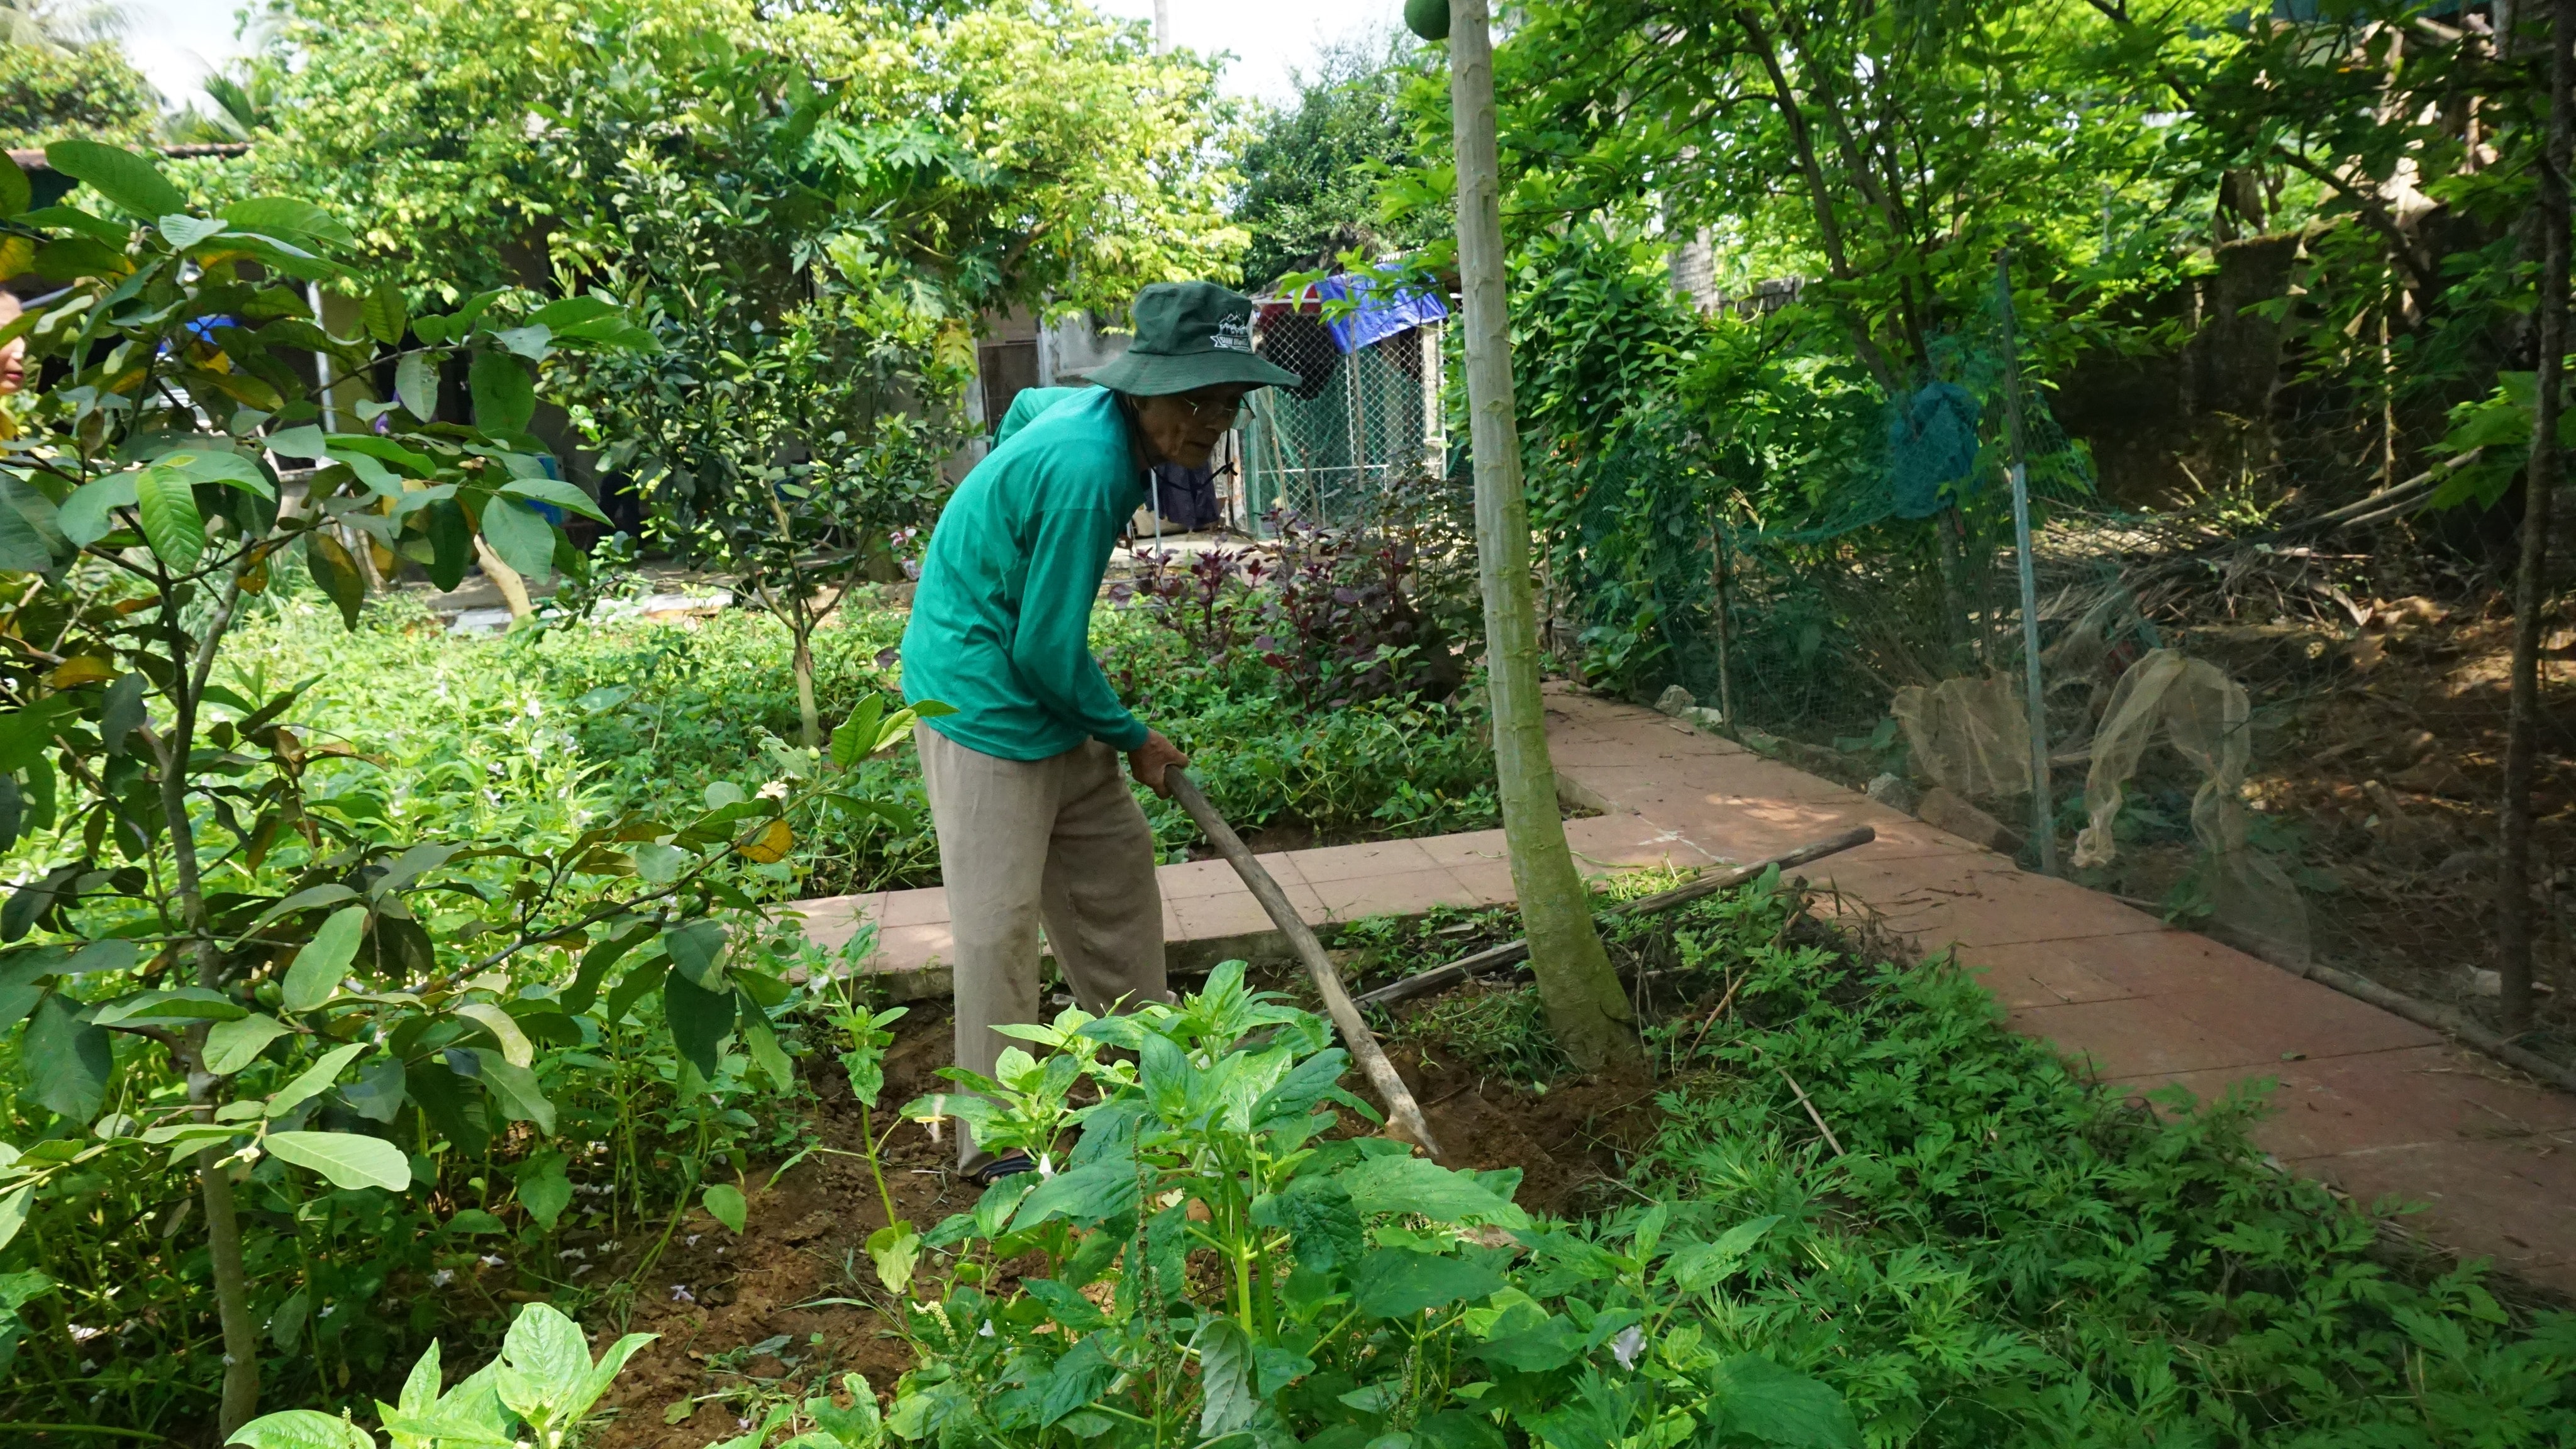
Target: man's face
(1183,427)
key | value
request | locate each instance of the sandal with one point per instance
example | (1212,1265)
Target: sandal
(1009,1164)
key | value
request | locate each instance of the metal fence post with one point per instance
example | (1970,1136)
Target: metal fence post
(2043,807)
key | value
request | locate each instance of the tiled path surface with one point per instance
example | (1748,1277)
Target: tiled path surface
(2368,1101)
(1208,914)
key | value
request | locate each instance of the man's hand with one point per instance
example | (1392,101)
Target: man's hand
(1149,761)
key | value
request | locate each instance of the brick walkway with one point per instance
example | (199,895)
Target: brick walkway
(2367,1101)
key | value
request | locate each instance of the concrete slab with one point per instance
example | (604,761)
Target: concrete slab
(1474,848)
(2405,1097)
(2134,1037)
(1402,893)
(2481,1199)
(1362,862)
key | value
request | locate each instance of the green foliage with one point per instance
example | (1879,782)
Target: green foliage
(415,122)
(1313,171)
(543,1385)
(220,957)
(2299,202)
(814,269)
(2005,1253)
(1349,768)
(1217,1264)
(52,93)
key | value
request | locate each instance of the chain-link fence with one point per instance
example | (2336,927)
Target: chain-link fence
(1354,427)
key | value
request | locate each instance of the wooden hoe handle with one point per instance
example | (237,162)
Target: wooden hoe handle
(1403,1114)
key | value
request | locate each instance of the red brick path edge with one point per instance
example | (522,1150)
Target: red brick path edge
(2365,1100)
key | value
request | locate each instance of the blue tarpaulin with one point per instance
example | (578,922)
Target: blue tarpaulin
(1382,309)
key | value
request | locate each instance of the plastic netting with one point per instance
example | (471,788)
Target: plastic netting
(1892,568)
(2193,705)
(1356,425)
(1888,588)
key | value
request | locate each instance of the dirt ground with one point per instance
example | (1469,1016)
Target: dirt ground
(791,1305)
(2379,747)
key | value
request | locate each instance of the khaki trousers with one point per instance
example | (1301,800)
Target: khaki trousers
(1059,841)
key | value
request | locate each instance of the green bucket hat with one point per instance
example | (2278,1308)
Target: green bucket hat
(1189,335)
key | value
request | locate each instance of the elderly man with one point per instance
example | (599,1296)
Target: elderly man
(1034,822)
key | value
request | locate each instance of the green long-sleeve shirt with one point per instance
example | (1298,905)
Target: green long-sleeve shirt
(1030,404)
(1001,622)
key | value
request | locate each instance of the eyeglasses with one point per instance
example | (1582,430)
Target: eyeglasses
(1220,410)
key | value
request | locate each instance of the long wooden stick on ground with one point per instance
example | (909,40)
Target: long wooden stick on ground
(1403,1114)
(1512,953)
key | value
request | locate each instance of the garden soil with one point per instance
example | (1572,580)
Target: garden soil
(747,1321)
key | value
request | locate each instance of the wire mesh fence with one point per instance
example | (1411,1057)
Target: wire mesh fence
(1879,608)
(1355,426)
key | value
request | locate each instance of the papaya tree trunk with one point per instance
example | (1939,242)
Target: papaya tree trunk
(2530,585)
(1586,1009)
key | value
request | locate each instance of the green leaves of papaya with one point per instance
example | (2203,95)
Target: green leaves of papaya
(871,729)
(168,508)
(1226,1400)
(313,1080)
(555,491)
(416,385)
(1416,1185)
(163,495)
(67,1058)
(1398,1283)
(302,1429)
(183,231)
(697,952)
(286,216)
(31,534)
(233,1045)
(386,315)
(335,571)
(521,536)
(546,1376)
(700,1020)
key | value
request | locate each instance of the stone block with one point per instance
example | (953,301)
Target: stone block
(1896,792)
(1950,811)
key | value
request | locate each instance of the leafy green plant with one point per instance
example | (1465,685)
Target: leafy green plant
(536,1394)
(1220,1262)
(1982,1247)
(301,980)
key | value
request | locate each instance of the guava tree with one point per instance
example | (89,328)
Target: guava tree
(813,210)
(248,974)
(809,379)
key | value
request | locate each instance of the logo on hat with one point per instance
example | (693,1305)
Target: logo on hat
(1233,333)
